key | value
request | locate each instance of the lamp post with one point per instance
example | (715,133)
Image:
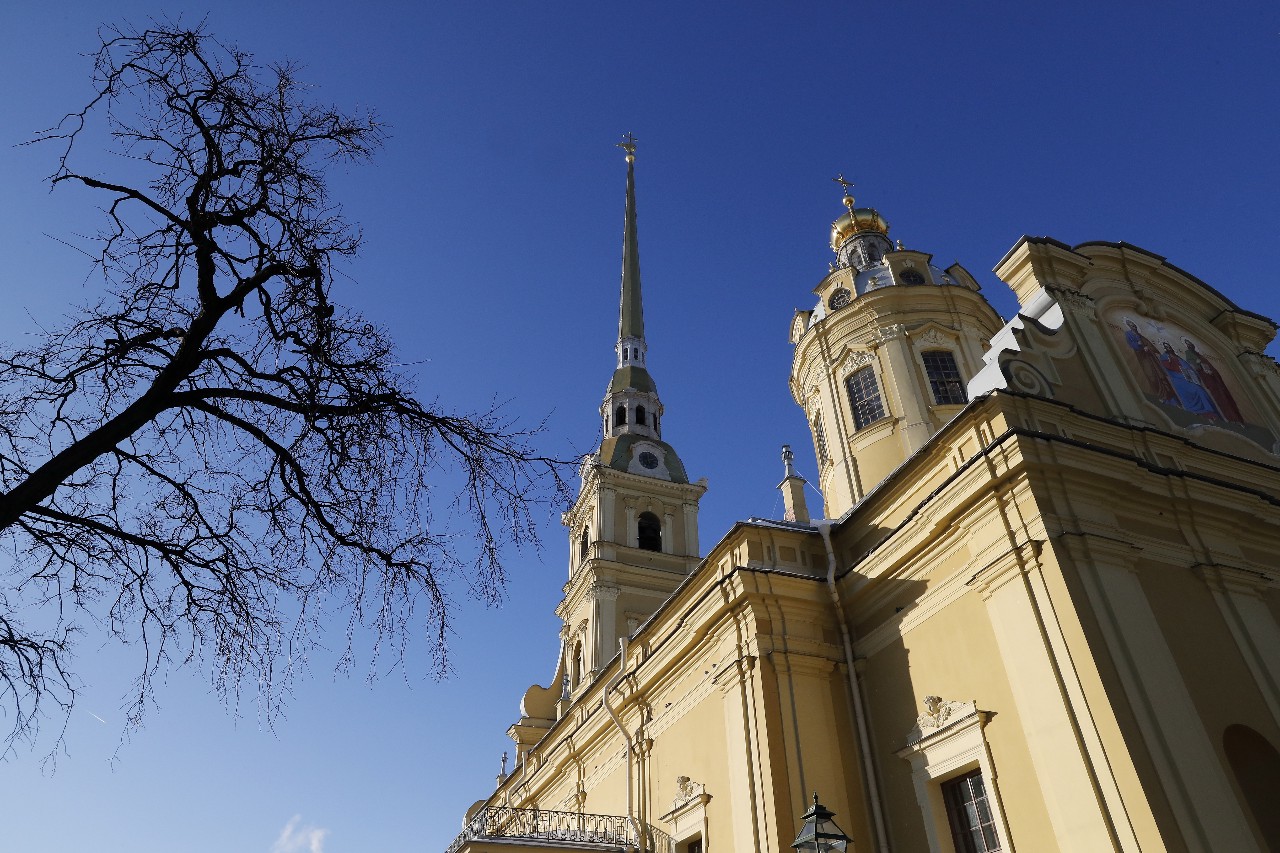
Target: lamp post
(820,832)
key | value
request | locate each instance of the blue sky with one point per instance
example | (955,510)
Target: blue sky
(493,234)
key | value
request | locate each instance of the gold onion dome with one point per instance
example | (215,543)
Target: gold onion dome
(857,221)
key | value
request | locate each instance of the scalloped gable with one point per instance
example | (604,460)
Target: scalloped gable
(1117,330)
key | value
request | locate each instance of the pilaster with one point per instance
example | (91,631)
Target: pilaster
(1238,594)
(1187,765)
(604,624)
(736,684)
(915,428)
(1061,739)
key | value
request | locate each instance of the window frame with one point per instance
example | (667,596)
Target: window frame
(953,792)
(947,745)
(880,411)
(820,438)
(944,377)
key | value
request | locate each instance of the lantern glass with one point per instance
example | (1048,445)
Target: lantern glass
(820,832)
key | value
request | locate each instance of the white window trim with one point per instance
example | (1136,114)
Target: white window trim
(948,741)
(687,819)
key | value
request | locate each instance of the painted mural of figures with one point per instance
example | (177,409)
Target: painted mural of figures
(1213,383)
(1191,394)
(1155,381)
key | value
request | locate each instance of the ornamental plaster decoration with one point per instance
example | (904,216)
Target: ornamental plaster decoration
(1024,377)
(933,337)
(939,713)
(800,325)
(604,592)
(1074,300)
(687,791)
(856,359)
(1260,364)
(884,334)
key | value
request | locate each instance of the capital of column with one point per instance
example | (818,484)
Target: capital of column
(604,592)
(1072,299)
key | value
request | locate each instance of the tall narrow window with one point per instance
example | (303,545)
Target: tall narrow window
(640,415)
(583,544)
(620,416)
(649,532)
(944,377)
(864,397)
(820,439)
(575,676)
(973,828)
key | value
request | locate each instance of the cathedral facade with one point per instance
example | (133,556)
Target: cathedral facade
(1039,609)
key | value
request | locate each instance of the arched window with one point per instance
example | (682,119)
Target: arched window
(583,544)
(1256,766)
(620,416)
(649,532)
(944,377)
(640,415)
(864,397)
(575,674)
(820,439)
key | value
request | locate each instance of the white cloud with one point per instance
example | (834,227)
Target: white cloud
(299,838)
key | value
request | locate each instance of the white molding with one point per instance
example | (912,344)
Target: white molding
(947,741)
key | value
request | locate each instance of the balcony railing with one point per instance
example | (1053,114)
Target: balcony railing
(575,827)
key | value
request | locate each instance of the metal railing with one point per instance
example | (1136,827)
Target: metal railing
(577,827)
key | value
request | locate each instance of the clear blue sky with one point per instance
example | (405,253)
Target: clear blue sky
(493,234)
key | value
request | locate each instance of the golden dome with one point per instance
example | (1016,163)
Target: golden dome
(857,220)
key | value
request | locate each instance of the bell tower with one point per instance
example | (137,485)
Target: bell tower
(882,361)
(633,531)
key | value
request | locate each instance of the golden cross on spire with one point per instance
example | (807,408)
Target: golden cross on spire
(628,144)
(848,199)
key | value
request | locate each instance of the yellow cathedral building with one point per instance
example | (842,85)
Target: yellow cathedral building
(1040,611)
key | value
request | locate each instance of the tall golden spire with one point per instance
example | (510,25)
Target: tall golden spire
(631,309)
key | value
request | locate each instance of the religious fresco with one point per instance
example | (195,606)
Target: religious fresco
(1187,379)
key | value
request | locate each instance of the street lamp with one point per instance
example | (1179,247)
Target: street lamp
(820,832)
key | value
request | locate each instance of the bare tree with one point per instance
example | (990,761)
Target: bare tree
(214,458)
